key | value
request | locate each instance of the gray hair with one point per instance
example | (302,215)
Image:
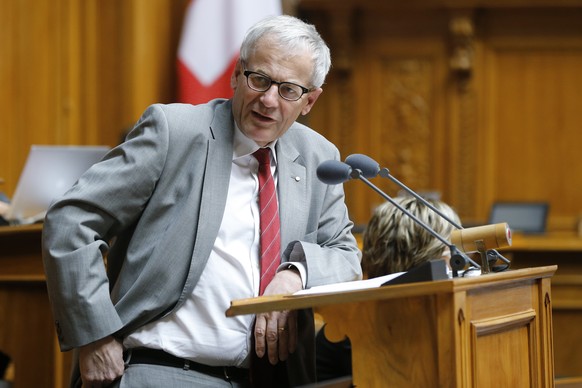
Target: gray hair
(292,34)
(394,242)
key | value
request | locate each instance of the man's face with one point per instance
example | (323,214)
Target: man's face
(266,116)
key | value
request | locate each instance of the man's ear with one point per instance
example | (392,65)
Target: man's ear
(235,74)
(311,98)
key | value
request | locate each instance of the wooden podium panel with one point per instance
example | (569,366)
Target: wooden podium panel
(491,330)
(563,249)
(27,332)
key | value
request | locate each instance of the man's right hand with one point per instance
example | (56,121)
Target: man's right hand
(101,362)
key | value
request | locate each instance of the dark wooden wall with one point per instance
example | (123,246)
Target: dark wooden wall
(478,100)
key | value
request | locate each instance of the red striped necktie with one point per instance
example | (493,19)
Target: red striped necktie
(270,225)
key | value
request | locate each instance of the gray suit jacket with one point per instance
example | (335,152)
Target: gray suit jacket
(154,205)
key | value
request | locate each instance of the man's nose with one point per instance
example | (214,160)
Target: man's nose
(271,95)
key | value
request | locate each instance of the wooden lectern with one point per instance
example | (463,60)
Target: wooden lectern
(493,330)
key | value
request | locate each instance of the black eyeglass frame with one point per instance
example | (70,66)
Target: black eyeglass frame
(247,73)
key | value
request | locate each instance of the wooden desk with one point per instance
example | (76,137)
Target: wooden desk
(564,250)
(27,332)
(550,242)
(493,330)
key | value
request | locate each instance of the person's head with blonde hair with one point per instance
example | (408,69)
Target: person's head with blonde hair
(394,242)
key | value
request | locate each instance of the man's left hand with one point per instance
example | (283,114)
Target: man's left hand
(276,331)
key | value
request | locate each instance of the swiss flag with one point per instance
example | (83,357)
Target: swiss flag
(211,37)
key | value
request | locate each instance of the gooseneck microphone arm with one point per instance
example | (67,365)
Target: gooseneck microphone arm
(371,169)
(357,174)
(458,259)
(385,173)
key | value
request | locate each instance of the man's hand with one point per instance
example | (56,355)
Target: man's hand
(101,362)
(276,331)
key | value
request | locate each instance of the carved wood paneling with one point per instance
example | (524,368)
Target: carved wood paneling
(501,119)
(390,102)
(406,97)
(500,82)
(464,189)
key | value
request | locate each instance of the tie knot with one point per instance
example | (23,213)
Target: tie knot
(263,155)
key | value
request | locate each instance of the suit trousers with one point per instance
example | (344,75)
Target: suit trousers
(155,376)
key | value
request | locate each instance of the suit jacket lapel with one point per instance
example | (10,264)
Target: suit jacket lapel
(292,190)
(214,191)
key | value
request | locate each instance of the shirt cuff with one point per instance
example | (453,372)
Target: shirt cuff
(300,267)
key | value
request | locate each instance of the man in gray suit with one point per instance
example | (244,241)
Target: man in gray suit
(174,211)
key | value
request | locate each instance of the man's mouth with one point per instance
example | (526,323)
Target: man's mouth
(262,117)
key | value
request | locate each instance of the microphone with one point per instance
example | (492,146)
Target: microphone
(472,239)
(371,169)
(335,172)
(497,236)
(368,166)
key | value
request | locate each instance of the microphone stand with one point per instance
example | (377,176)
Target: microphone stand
(458,259)
(385,173)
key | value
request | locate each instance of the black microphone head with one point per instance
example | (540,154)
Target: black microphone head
(368,166)
(333,172)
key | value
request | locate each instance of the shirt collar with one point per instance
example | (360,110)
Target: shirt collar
(244,145)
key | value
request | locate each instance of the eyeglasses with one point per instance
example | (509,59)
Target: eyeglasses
(261,83)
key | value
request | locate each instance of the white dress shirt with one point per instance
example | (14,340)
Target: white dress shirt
(199,329)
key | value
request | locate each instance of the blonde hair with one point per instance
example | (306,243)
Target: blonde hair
(394,242)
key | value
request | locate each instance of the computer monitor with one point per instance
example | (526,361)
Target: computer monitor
(524,217)
(49,171)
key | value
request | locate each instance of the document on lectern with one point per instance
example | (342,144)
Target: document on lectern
(349,286)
